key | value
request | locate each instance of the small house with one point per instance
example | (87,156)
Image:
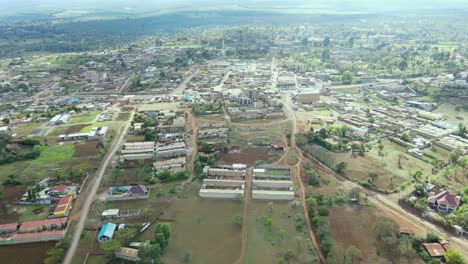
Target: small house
(106,233)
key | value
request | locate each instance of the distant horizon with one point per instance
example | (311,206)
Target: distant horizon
(72,8)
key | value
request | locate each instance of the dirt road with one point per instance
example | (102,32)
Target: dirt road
(180,90)
(247,192)
(297,175)
(92,188)
(389,206)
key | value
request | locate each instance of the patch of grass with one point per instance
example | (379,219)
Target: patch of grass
(25,212)
(84,117)
(55,153)
(268,244)
(292,157)
(123,116)
(271,133)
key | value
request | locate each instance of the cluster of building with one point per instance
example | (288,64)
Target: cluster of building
(33,231)
(227,182)
(130,192)
(169,150)
(59,119)
(272,183)
(96,133)
(60,197)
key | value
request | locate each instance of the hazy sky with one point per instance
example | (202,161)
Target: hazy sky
(30,6)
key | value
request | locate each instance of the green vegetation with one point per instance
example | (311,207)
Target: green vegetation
(56,254)
(168,176)
(215,107)
(318,207)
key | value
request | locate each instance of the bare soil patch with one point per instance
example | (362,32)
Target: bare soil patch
(85,149)
(38,211)
(75,128)
(12,193)
(245,156)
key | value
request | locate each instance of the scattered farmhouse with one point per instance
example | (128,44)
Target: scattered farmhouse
(126,253)
(132,192)
(107,232)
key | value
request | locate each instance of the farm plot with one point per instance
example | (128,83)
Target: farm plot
(260,134)
(249,156)
(206,230)
(274,230)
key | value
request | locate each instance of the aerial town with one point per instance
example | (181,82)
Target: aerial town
(311,142)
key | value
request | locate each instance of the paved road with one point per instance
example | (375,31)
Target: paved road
(183,85)
(94,186)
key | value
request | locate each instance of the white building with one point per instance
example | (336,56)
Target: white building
(96,133)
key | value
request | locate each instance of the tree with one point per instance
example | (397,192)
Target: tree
(126,235)
(6,120)
(148,251)
(352,254)
(340,167)
(403,65)
(462,130)
(406,248)
(458,109)
(161,240)
(454,257)
(347,77)
(373,176)
(405,137)
(381,147)
(268,223)
(386,227)
(400,156)
(454,155)
(280,105)
(166,229)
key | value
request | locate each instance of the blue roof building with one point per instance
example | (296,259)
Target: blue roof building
(72,100)
(106,233)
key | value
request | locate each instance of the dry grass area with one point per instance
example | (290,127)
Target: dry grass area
(352,226)
(123,116)
(268,245)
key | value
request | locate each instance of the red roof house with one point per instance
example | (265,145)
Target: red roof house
(8,228)
(443,201)
(42,225)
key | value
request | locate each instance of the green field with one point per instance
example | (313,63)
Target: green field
(52,158)
(25,212)
(84,117)
(271,133)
